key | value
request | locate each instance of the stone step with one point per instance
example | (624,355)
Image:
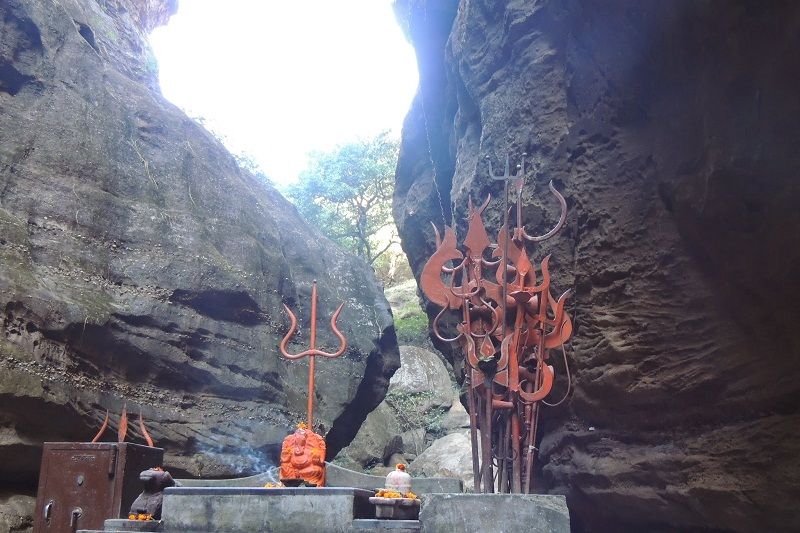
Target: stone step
(375,525)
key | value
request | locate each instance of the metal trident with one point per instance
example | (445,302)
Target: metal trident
(123,427)
(505,177)
(312,352)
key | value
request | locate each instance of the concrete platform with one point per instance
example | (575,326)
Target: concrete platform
(339,510)
(498,513)
(240,510)
(370,525)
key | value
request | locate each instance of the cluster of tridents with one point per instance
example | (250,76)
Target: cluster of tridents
(508,325)
(122,430)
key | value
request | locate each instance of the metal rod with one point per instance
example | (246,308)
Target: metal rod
(502,464)
(505,250)
(530,442)
(485,442)
(311,357)
(517,463)
(513,385)
(531,451)
(488,475)
(473,432)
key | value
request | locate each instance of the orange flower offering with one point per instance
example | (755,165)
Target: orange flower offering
(388,493)
(141,517)
(271,485)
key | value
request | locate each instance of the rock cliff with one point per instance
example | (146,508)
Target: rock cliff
(672,129)
(139,265)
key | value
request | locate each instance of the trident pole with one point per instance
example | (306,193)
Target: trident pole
(312,351)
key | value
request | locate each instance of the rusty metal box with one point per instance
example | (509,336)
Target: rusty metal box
(81,484)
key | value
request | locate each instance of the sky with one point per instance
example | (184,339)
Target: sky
(276,79)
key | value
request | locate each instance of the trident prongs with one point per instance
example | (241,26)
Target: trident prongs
(143,429)
(123,424)
(559,224)
(102,428)
(122,431)
(312,351)
(506,175)
(435,326)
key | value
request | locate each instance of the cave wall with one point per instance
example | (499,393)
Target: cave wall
(672,130)
(139,265)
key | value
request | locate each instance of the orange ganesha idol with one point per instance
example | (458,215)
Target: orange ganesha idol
(303,457)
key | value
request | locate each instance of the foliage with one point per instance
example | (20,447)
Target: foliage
(411,325)
(410,320)
(392,267)
(248,162)
(244,160)
(347,194)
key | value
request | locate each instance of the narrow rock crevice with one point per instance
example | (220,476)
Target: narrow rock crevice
(370,393)
(88,35)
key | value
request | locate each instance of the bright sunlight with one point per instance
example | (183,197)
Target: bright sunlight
(277,80)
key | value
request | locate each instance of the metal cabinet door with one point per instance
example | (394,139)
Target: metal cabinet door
(77,489)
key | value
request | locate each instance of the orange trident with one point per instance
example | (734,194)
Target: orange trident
(312,352)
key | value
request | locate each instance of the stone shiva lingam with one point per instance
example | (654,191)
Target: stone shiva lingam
(396,501)
(303,452)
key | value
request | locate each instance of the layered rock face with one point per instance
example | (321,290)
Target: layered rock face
(672,129)
(140,265)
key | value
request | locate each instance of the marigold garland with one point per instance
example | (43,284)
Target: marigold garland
(386,493)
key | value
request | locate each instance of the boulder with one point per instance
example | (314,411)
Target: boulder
(410,320)
(449,456)
(16,512)
(376,440)
(423,377)
(456,417)
(413,441)
(398,458)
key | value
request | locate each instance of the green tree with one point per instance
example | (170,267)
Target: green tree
(347,194)
(249,163)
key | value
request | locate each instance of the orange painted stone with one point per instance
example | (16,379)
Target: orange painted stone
(303,457)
